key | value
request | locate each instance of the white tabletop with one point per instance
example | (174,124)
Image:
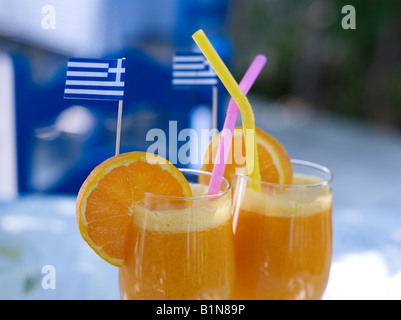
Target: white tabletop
(43,231)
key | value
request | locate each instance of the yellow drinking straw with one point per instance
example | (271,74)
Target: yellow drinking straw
(239,97)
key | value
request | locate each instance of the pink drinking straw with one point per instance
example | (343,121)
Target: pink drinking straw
(229,124)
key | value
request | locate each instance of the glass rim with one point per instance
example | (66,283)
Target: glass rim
(325,182)
(202,197)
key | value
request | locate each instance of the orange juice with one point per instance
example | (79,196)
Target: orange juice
(283,241)
(182,251)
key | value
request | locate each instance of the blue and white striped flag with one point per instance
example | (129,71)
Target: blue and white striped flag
(191,69)
(95,79)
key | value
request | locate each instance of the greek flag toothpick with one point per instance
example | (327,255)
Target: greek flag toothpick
(97,79)
(191,70)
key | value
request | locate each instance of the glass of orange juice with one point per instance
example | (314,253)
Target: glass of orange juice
(283,235)
(181,247)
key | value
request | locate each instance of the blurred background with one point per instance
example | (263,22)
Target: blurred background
(314,60)
(330,95)
(58,142)
(314,64)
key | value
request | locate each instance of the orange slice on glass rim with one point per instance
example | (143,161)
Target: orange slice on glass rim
(105,203)
(274,162)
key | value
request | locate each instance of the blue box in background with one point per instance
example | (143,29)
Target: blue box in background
(60,141)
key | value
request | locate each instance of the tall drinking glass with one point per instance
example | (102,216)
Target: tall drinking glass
(283,235)
(181,247)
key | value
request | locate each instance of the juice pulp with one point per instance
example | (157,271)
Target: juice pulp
(180,253)
(283,244)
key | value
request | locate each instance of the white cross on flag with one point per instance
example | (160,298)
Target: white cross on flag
(95,79)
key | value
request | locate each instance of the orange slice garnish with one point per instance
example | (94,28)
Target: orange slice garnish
(105,203)
(274,162)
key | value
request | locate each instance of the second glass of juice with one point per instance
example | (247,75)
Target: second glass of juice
(283,235)
(181,247)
